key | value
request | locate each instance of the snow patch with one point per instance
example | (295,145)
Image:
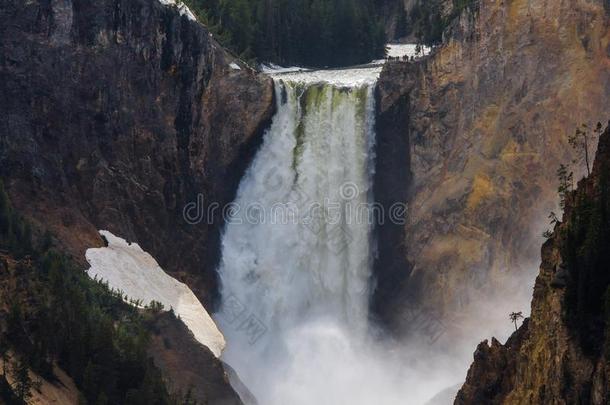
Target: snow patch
(128,268)
(400,50)
(234,66)
(182,8)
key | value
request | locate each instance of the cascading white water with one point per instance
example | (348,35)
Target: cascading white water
(298,249)
(297,255)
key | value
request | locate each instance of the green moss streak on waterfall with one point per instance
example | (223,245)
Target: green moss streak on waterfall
(361,94)
(299,92)
(311,99)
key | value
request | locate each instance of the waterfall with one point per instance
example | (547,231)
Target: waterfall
(297,254)
(298,247)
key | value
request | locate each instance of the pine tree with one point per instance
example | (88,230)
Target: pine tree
(188,397)
(23,382)
(566,180)
(4,347)
(90,382)
(102,399)
(514,317)
(582,141)
(5,211)
(15,322)
(401,29)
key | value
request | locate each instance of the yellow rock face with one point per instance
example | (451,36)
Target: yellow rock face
(482,189)
(490,113)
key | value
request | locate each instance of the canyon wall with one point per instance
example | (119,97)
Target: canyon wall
(489,113)
(117,114)
(560,355)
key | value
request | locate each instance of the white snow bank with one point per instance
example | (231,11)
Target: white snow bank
(234,66)
(182,8)
(400,50)
(126,267)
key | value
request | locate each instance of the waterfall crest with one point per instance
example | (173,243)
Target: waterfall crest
(297,248)
(297,259)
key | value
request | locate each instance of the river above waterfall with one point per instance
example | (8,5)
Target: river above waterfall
(350,78)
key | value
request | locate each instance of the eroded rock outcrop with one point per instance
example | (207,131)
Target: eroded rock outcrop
(188,365)
(489,113)
(116,114)
(560,355)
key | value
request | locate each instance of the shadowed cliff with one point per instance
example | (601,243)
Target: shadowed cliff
(117,114)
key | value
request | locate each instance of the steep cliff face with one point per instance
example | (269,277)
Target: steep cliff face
(116,114)
(189,365)
(392,147)
(489,113)
(561,354)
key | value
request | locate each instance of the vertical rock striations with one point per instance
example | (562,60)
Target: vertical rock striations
(392,181)
(115,115)
(489,112)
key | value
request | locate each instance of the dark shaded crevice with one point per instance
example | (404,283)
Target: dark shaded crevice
(391,188)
